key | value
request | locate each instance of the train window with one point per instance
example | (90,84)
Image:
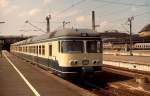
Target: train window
(23,48)
(99,47)
(58,46)
(72,46)
(33,49)
(26,49)
(36,49)
(43,50)
(50,50)
(40,49)
(92,46)
(30,49)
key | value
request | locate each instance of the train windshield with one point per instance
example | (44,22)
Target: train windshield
(72,46)
(93,47)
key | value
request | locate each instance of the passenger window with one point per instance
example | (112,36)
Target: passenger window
(43,50)
(36,49)
(58,46)
(50,50)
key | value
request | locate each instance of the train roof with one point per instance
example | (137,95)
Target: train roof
(60,33)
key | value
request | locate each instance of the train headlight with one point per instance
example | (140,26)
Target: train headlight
(74,62)
(85,62)
(96,62)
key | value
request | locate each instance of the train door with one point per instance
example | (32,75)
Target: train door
(50,51)
(52,59)
(50,48)
(49,55)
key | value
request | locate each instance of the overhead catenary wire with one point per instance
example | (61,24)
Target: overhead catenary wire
(122,3)
(144,13)
(125,18)
(104,5)
(73,5)
(70,7)
(35,26)
(82,11)
(104,1)
(110,2)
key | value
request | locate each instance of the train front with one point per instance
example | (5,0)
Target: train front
(80,55)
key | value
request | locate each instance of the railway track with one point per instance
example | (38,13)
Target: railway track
(101,87)
(108,91)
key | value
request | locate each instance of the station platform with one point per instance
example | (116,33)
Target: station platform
(124,64)
(135,64)
(127,58)
(20,78)
(122,52)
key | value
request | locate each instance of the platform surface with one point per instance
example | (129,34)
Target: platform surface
(126,58)
(11,83)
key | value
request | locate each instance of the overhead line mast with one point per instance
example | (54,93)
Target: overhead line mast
(130,24)
(48,22)
(93,20)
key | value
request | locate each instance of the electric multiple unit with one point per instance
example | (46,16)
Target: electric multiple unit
(66,52)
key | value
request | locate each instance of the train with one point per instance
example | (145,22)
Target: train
(67,52)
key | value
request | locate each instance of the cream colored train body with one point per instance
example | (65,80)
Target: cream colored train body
(66,52)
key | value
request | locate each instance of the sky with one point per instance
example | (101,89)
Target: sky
(110,15)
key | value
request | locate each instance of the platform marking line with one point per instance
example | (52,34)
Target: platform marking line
(23,77)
